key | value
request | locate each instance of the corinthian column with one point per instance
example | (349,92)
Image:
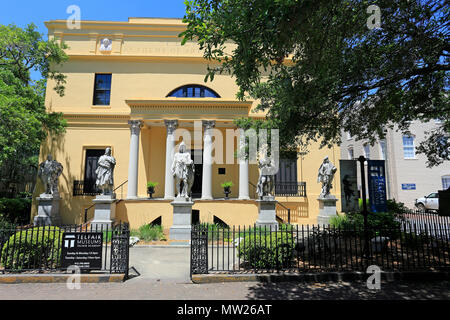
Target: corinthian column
(207,160)
(171,125)
(135,128)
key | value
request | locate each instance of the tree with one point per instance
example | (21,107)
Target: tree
(24,121)
(320,68)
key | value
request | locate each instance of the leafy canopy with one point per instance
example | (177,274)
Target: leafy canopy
(24,121)
(318,69)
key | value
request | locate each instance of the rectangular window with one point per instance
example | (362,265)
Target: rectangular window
(350,154)
(408,147)
(383,149)
(102,89)
(367,151)
(445,182)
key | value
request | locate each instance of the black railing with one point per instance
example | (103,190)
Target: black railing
(292,189)
(286,189)
(82,189)
(40,248)
(312,248)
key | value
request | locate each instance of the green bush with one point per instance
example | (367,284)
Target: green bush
(269,251)
(396,207)
(40,247)
(379,224)
(16,210)
(149,232)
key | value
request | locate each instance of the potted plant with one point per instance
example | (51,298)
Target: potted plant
(226,188)
(151,188)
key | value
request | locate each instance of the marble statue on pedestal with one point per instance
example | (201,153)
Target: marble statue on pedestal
(49,172)
(325,176)
(327,202)
(105,204)
(265,185)
(105,173)
(183,171)
(48,201)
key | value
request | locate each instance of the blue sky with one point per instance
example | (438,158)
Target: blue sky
(23,12)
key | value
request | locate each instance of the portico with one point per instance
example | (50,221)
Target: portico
(199,135)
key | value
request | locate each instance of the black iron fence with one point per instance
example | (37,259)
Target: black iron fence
(39,249)
(313,248)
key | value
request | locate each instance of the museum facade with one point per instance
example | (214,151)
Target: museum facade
(130,87)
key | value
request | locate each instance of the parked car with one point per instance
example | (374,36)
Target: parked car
(429,202)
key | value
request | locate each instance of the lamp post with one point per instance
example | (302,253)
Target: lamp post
(361,160)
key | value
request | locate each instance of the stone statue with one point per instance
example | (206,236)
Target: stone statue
(325,176)
(183,171)
(49,172)
(266,177)
(105,173)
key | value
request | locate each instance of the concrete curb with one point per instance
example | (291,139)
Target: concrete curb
(59,278)
(320,277)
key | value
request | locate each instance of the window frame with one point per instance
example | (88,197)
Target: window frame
(413,147)
(102,90)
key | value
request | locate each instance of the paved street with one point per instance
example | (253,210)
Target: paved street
(164,274)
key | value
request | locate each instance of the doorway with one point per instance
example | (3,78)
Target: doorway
(196,190)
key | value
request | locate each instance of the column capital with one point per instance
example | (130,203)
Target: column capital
(209,124)
(135,126)
(171,125)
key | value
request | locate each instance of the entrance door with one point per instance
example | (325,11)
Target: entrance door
(196,189)
(90,166)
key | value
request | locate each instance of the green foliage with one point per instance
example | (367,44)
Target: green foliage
(151,184)
(396,207)
(318,69)
(379,223)
(149,232)
(25,122)
(37,248)
(227,184)
(269,250)
(15,210)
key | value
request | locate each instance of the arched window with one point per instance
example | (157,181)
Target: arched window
(193,91)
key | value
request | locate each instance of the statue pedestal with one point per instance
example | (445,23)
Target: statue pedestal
(182,219)
(327,209)
(48,210)
(267,213)
(105,211)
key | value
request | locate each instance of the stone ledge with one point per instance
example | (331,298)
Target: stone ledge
(59,278)
(320,277)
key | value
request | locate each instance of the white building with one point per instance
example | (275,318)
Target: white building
(408,177)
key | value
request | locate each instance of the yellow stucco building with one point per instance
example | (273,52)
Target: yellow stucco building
(129,84)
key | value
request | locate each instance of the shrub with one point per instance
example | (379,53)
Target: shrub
(149,232)
(271,250)
(34,248)
(396,207)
